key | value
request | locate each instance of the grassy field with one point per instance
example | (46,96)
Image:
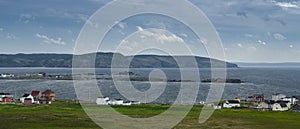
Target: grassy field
(68,115)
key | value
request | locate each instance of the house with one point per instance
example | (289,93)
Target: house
(280,106)
(258,97)
(6,100)
(7,95)
(278,96)
(292,100)
(219,106)
(296,108)
(116,102)
(127,103)
(102,100)
(7,75)
(27,97)
(263,105)
(288,104)
(42,74)
(231,104)
(249,99)
(48,95)
(36,95)
(297,99)
(202,102)
(27,101)
(266,105)
(135,102)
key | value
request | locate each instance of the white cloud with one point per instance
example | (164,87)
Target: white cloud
(139,28)
(288,4)
(252,48)
(262,42)
(184,35)
(26,18)
(10,36)
(291,46)
(122,25)
(46,39)
(150,40)
(203,40)
(248,35)
(69,31)
(88,21)
(157,24)
(279,36)
(162,37)
(7,35)
(240,45)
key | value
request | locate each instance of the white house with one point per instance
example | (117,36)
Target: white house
(277,96)
(7,75)
(135,102)
(292,100)
(116,102)
(102,100)
(217,106)
(231,104)
(26,96)
(3,95)
(127,103)
(280,106)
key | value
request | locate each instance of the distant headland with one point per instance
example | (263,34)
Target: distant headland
(103,60)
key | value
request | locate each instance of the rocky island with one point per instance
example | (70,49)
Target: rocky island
(222,80)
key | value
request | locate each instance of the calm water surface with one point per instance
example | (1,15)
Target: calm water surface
(257,80)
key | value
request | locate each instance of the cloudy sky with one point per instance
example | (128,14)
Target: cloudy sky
(250,30)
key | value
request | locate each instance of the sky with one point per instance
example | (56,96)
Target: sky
(250,30)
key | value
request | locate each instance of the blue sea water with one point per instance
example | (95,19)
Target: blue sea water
(262,80)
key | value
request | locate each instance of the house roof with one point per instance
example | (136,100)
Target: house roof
(258,95)
(48,92)
(269,101)
(233,101)
(297,97)
(296,108)
(282,103)
(27,99)
(35,93)
(5,94)
(278,94)
(25,95)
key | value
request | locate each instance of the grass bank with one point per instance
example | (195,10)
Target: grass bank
(69,115)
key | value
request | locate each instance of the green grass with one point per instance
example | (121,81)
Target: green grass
(68,115)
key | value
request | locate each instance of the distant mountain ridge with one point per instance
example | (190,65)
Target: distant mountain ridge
(103,60)
(283,64)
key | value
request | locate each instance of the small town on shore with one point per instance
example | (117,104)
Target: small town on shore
(278,102)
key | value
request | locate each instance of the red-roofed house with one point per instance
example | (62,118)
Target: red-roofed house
(48,95)
(258,97)
(36,95)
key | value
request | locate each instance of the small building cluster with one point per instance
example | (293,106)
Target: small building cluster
(107,101)
(278,102)
(7,75)
(6,98)
(232,103)
(36,97)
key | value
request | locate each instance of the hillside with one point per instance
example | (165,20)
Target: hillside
(103,60)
